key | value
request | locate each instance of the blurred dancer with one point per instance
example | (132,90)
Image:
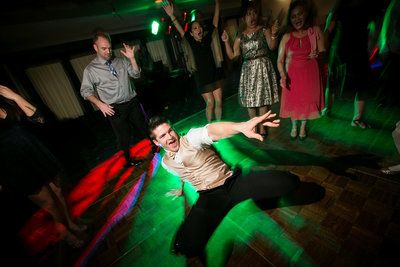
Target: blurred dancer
(28,167)
(349,60)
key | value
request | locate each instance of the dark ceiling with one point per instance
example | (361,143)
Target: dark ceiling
(32,24)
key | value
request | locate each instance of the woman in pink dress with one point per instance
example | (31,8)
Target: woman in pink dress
(302,90)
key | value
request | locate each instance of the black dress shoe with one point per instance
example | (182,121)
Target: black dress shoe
(133,163)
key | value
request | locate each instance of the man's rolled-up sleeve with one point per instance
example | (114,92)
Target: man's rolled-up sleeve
(87,87)
(135,74)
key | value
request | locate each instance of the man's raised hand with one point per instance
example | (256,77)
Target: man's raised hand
(248,128)
(129,51)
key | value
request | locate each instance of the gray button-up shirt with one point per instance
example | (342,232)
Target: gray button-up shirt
(111,90)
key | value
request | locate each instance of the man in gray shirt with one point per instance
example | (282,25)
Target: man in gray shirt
(109,77)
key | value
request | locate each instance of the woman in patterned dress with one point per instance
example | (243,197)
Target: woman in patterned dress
(258,87)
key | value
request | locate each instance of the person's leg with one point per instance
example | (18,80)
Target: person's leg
(203,219)
(209,99)
(121,129)
(261,111)
(45,199)
(137,118)
(396,138)
(218,103)
(57,190)
(303,130)
(359,78)
(359,106)
(294,132)
(252,112)
(262,185)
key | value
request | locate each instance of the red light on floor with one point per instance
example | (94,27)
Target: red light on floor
(40,232)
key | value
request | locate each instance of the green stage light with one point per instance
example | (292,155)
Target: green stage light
(193,13)
(154,27)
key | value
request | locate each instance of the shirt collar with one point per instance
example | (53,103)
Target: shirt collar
(103,61)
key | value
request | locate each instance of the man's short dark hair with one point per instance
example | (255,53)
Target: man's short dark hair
(101,34)
(154,123)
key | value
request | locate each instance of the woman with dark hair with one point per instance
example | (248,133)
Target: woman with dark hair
(302,89)
(28,168)
(206,78)
(258,87)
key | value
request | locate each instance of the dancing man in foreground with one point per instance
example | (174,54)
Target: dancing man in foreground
(193,158)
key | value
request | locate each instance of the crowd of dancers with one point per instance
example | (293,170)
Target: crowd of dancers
(314,64)
(316,61)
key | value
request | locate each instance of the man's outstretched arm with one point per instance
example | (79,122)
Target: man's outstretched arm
(219,130)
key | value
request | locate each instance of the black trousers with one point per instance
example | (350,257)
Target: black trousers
(127,115)
(214,204)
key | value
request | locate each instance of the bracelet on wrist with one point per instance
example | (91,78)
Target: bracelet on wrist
(273,37)
(173,20)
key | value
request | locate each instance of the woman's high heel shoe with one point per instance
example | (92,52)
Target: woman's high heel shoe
(359,123)
(293,134)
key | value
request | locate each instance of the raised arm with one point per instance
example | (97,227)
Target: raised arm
(129,53)
(169,9)
(219,130)
(24,105)
(236,46)
(271,35)
(216,14)
(281,60)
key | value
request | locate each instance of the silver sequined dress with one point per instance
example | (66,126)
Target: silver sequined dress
(258,83)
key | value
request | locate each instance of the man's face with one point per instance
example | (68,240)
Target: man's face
(166,136)
(103,48)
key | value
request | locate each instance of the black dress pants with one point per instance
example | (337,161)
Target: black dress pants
(214,204)
(127,115)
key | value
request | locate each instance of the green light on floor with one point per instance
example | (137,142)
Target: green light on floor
(154,27)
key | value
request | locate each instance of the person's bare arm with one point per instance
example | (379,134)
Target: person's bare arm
(271,35)
(236,46)
(281,60)
(216,14)
(219,130)
(169,9)
(24,105)
(321,40)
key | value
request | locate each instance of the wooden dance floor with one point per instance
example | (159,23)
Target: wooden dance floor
(346,214)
